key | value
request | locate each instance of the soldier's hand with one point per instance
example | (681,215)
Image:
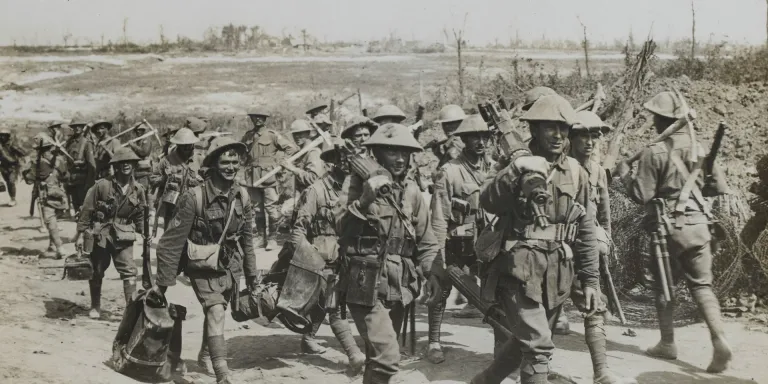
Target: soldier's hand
(592,300)
(371,189)
(536,164)
(78,240)
(433,290)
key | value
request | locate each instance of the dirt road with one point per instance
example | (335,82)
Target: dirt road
(46,336)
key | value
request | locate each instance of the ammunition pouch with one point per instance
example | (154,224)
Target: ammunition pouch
(363,280)
(554,232)
(171,193)
(259,302)
(123,232)
(460,207)
(370,245)
(491,240)
(304,282)
(144,165)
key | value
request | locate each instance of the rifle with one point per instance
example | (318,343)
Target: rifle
(709,161)
(466,285)
(36,186)
(409,315)
(146,263)
(416,134)
(613,298)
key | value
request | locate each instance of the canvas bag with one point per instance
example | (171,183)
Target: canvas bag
(206,257)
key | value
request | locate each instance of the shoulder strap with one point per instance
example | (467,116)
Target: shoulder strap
(81,150)
(690,187)
(575,171)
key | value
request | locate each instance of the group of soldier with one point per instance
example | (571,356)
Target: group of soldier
(375,232)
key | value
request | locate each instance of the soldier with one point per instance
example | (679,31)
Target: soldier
(104,149)
(310,166)
(450,147)
(585,144)
(176,173)
(198,127)
(388,114)
(142,149)
(381,236)
(359,129)
(664,177)
(323,122)
(457,218)
(533,94)
(46,174)
(112,215)
(82,166)
(55,132)
(263,148)
(215,212)
(11,155)
(549,239)
(315,224)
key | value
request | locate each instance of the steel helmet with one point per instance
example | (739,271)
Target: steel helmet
(473,124)
(588,120)
(78,119)
(389,110)
(551,108)
(123,154)
(221,145)
(330,149)
(301,126)
(42,140)
(322,119)
(102,121)
(195,124)
(258,111)
(316,110)
(394,135)
(56,125)
(534,94)
(451,112)
(184,136)
(5,131)
(354,123)
(665,104)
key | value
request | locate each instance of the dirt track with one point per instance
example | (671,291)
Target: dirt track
(48,338)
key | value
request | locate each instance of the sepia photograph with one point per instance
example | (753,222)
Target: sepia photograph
(383,192)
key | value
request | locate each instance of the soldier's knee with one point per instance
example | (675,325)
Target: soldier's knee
(215,314)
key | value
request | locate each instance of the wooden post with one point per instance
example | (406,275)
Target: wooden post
(360,98)
(693,31)
(585,44)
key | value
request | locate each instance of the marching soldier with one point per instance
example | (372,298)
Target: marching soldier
(112,215)
(142,149)
(55,132)
(457,218)
(585,143)
(82,170)
(549,240)
(263,148)
(104,149)
(382,235)
(315,224)
(11,155)
(310,166)
(447,149)
(215,212)
(663,183)
(359,129)
(46,174)
(176,173)
(388,114)
(198,127)
(318,116)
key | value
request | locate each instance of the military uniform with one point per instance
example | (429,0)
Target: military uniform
(201,217)
(82,170)
(533,274)
(47,174)
(173,175)
(10,165)
(143,149)
(457,217)
(103,152)
(309,166)
(664,176)
(381,248)
(264,145)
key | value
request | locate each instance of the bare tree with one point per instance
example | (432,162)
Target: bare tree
(66,38)
(125,31)
(585,45)
(459,36)
(766,24)
(693,31)
(304,38)
(163,40)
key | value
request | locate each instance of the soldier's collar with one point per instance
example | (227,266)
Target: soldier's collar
(214,193)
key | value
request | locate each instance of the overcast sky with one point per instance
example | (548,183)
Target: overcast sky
(46,21)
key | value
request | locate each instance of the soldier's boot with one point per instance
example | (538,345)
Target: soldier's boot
(507,360)
(12,203)
(129,288)
(435,314)
(594,333)
(341,329)
(95,288)
(710,311)
(217,347)
(666,348)
(309,344)
(562,327)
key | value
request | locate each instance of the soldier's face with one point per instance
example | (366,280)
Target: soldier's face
(258,121)
(4,138)
(101,131)
(140,131)
(228,164)
(389,119)
(302,138)
(395,160)
(361,135)
(450,127)
(476,144)
(552,136)
(584,144)
(124,168)
(185,151)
